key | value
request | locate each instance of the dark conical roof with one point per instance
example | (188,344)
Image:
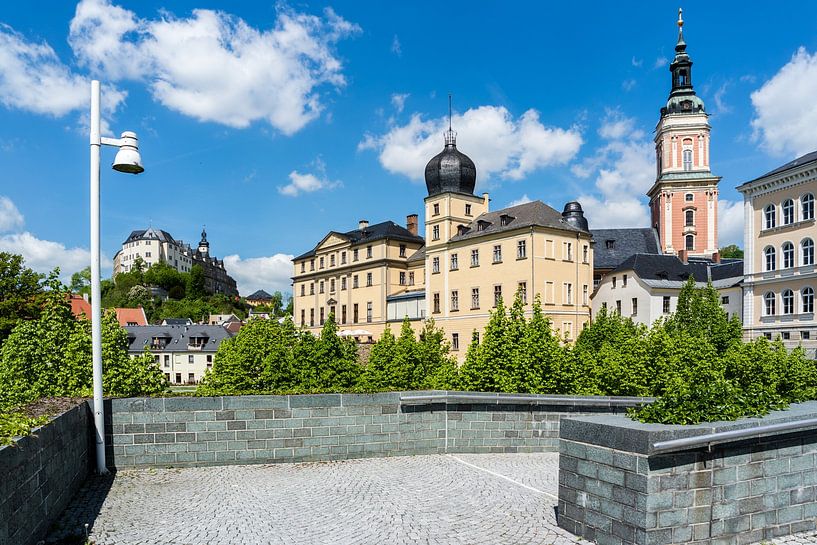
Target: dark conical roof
(451,170)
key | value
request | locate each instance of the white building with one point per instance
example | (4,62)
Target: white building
(645,287)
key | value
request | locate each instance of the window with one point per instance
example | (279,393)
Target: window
(614,282)
(522,290)
(322,262)
(618,306)
(343,314)
(343,258)
(402,250)
(178,378)
(567,249)
(411,278)
(147,254)
(355,255)
(807,207)
(467,209)
(303,290)
(807,252)
(354,281)
(549,293)
(342,282)
(807,299)
(167,360)
(521,250)
(311,317)
(402,278)
(209,358)
(771,216)
(332,260)
(568,294)
(311,288)
(788,212)
(303,317)
(725,300)
(635,306)
(550,249)
(585,253)
(666,304)
(474,298)
(435,232)
(322,317)
(455,341)
(689,197)
(585,294)
(771,258)
(320,287)
(788,301)
(455,300)
(624,281)
(788,255)
(368,252)
(497,295)
(368,279)
(475,258)
(689,218)
(497,253)
(454,262)
(768,335)
(435,265)
(369,312)
(786,335)
(311,264)
(690,242)
(436,303)
(303,266)
(687,159)
(436,209)
(355,314)
(805,335)
(769,304)
(190,358)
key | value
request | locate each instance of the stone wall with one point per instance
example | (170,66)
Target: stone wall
(40,473)
(184,431)
(616,487)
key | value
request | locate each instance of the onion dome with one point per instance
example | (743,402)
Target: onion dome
(682,98)
(574,215)
(451,171)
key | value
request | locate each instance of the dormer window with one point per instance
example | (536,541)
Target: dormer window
(482,225)
(505,219)
(609,244)
(662,275)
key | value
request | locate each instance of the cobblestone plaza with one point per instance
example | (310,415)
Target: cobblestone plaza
(457,499)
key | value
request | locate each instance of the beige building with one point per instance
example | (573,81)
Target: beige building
(779,236)
(352,274)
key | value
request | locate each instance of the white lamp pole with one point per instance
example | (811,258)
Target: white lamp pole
(127,160)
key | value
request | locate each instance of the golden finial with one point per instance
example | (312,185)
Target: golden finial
(680,18)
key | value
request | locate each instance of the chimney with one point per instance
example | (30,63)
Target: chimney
(682,255)
(716,257)
(411,224)
(362,224)
(486,200)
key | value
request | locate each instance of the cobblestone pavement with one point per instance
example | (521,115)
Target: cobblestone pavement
(456,499)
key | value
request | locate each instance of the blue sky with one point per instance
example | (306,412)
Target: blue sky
(274,123)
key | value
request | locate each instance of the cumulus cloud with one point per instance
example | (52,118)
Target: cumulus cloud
(623,168)
(398,100)
(785,110)
(10,217)
(500,145)
(721,106)
(660,62)
(268,273)
(628,84)
(34,79)
(521,200)
(306,183)
(730,222)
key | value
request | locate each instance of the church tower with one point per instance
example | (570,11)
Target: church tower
(684,197)
(204,246)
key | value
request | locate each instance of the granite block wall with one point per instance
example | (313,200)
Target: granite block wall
(40,473)
(615,487)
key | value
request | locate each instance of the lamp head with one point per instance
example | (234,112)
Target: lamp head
(127,158)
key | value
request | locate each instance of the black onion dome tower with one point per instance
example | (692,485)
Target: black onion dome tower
(450,171)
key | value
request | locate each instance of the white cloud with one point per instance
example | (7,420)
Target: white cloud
(730,222)
(721,106)
(499,144)
(398,100)
(396,48)
(521,200)
(785,110)
(215,67)
(34,79)
(305,183)
(623,167)
(10,218)
(44,255)
(637,62)
(628,84)
(660,62)
(268,273)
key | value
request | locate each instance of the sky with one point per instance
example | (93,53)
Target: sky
(274,123)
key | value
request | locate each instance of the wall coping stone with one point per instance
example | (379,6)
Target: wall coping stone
(493,398)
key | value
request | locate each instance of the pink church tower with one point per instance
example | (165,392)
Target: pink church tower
(684,197)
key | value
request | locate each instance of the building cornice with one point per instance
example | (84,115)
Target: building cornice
(779,182)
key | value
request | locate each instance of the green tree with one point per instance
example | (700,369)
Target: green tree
(195,283)
(699,314)
(21,290)
(81,282)
(732,251)
(330,361)
(377,373)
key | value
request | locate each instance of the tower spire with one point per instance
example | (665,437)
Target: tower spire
(681,45)
(450,135)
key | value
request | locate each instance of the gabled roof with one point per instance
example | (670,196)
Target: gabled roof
(127,316)
(178,337)
(800,161)
(669,271)
(624,243)
(259,295)
(378,231)
(177,321)
(534,213)
(150,234)
(80,306)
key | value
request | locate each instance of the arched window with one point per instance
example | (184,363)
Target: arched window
(687,159)
(788,212)
(690,242)
(768,300)
(771,258)
(689,217)
(807,298)
(771,216)
(788,301)
(788,255)
(807,252)
(807,207)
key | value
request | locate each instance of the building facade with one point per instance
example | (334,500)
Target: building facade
(155,245)
(684,197)
(779,237)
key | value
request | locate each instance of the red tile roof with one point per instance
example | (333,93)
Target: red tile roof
(131,316)
(80,306)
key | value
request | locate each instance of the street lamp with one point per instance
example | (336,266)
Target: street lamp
(127,160)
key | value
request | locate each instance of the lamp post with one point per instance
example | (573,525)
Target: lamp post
(127,160)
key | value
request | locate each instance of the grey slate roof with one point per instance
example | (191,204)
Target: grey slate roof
(152,234)
(413,294)
(524,215)
(260,295)
(625,243)
(800,161)
(177,337)
(419,255)
(378,231)
(658,270)
(177,321)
